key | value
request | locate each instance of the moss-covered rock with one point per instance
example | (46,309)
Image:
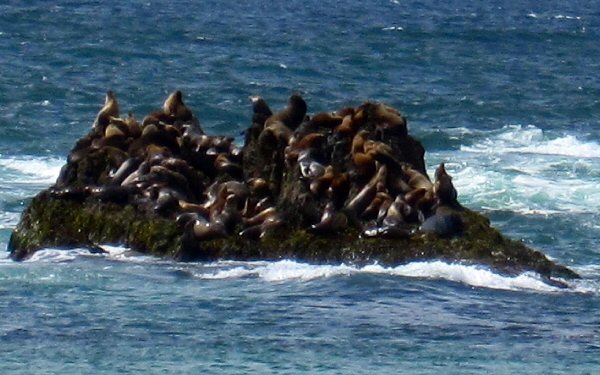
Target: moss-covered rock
(167,189)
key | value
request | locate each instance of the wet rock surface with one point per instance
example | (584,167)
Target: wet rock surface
(345,186)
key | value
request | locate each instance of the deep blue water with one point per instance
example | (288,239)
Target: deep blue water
(506,93)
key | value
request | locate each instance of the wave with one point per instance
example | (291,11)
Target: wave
(531,140)
(520,169)
(289,270)
(119,253)
(477,276)
(524,191)
(30,169)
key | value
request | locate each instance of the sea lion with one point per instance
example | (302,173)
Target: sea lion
(125,170)
(229,215)
(364,162)
(259,231)
(275,134)
(133,126)
(110,109)
(416,179)
(372,210)
(292,116)
(339,189)
(310,168)
(346,128)
(260,216)
(388,122)
(443,187)
(446,222)
(174,107)
(204,230)
(259,187)
(331,222)
(223,164)
(365,196)
(309,141)
(261,110)
(321,183)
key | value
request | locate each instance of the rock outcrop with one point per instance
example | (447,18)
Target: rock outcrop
(345,186)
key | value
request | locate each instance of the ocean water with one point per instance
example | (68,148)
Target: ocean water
(506,93)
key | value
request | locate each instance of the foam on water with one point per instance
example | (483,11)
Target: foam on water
(531,140)
(30,169)
(524,193)
(56,255)
(519,169)
(476,276)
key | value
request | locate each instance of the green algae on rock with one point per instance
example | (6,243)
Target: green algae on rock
(347,186)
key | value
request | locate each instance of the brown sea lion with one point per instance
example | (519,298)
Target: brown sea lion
(346,128)
(416,179)
(320,184)
(174,106)
(110,109)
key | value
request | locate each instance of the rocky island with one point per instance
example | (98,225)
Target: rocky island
(344,186)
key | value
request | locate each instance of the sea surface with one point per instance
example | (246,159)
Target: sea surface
(507,93)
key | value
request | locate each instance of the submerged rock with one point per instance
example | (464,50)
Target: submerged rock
(345,186)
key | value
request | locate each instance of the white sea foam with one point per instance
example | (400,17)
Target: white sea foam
(531,140)
(56,255)
(41,170)
(120,253)
(520,169)
(287,270)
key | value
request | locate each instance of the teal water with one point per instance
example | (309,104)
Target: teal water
(506,94)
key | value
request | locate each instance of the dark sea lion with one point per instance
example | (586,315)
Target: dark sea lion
(259,187)
(261,110)
(331,222)
(446,222)
(223,164)
(361,200)
(259,231)
(77,194)
(320,184)
(110,109)
(339,189)
(229,215)
(372,210)
(292,116)
(275,133)
(443,187)
(125,170)
(166,202)
(260,216)
(207,230)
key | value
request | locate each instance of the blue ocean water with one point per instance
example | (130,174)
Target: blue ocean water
(506,93)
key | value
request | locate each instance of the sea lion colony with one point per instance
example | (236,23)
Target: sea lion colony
(354,167)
